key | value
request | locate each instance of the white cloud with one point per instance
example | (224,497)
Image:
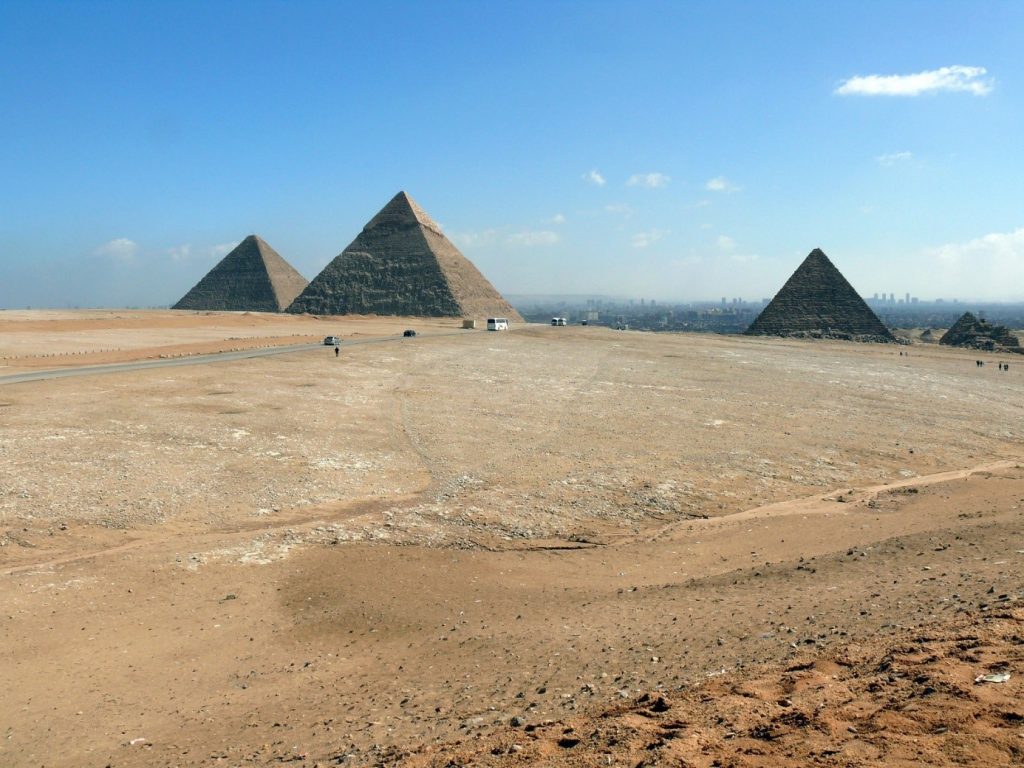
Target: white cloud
(473,239)
(644,239)
(989,266)
(887,161)
(180,252)
(558,218)
(595,178)
(531,239)
(223,249)
(954,78)
(650,180)
(119,248)
(1004,250)
(744,258)
(619,209)
(720,184)
(725,243)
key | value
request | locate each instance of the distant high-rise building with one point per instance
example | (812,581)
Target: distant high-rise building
(817,299)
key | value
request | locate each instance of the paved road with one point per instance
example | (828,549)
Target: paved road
(218,357)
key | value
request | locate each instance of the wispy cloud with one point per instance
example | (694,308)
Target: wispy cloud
(187,251)
(534,238)
(649,180)
(887,161)
(725,243)
(473,239)
(1004,250)
(119,248)
(619,209)
(180,252)
(595,178)
(956,78)
(978,267)
(558,218)
(644,239)
(721,184)
(744,258)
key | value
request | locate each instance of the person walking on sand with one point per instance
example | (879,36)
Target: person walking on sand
(337,350)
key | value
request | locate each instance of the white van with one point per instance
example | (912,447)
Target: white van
(558,321)
(497,324)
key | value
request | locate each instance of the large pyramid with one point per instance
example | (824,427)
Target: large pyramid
(252,278)
(402,264)
(818,301)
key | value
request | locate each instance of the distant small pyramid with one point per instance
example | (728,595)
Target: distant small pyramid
(252,278)
(402,264)
(818,301)
(975,333)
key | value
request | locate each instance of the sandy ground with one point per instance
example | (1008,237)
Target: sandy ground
(506,548)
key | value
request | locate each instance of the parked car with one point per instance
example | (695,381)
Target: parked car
(331,341)
(409,332)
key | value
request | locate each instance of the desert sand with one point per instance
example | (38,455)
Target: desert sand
(559,546)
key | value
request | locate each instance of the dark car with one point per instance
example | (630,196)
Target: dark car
(409,332)
(331,341)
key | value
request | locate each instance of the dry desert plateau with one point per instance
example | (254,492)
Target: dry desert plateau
(550,546)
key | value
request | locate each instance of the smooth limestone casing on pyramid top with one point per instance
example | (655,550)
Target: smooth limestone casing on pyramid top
(402,264)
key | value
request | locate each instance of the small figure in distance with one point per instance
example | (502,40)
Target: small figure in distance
(337,350)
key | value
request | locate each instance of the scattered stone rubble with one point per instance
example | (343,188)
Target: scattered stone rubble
(975,333)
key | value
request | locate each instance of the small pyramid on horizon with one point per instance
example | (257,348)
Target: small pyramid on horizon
(976,333)
(252,278)
(402,264)
(817,301)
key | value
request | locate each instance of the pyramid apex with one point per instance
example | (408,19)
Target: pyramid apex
(402,264)
(402,207)
(252,277)
(818,301)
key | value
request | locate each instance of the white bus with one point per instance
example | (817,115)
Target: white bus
(497,324)
(558,321)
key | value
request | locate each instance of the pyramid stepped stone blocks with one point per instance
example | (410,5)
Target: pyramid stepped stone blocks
(402,264)
(975,333)
(252,278)
(818,302)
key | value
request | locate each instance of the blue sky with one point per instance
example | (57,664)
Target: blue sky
(644,149)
